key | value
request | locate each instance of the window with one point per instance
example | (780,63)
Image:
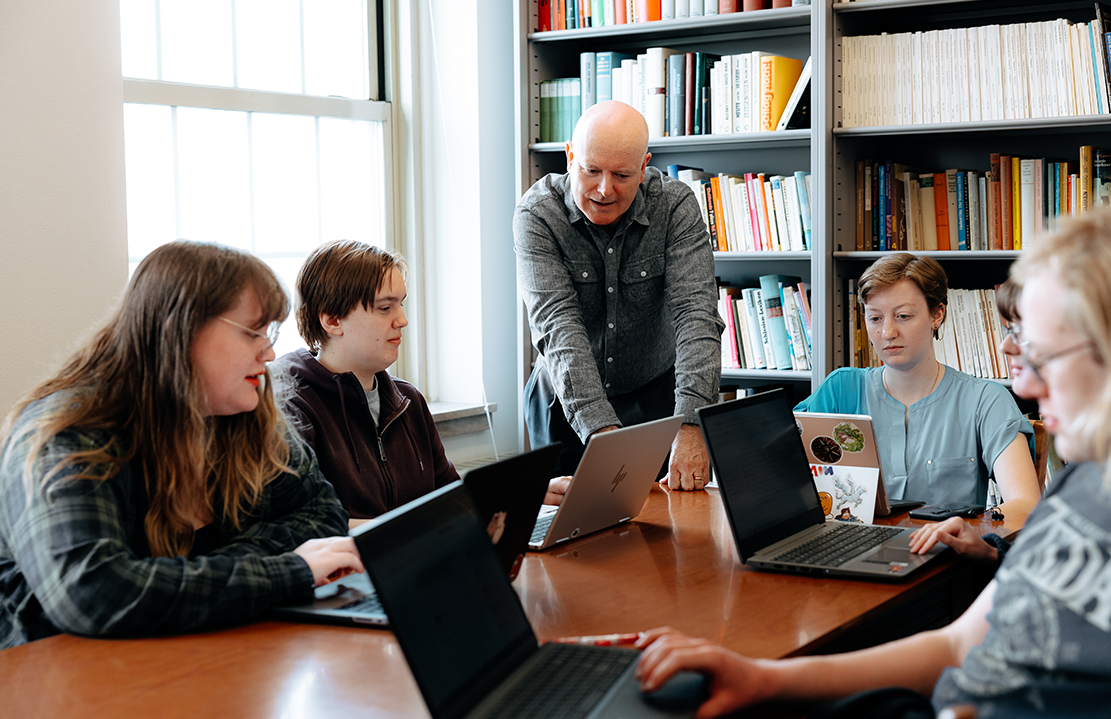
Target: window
(254,123)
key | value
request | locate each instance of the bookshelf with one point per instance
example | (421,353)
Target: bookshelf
(936,145)
(797,32)
(828,150)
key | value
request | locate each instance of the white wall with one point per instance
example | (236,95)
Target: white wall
(63,242)
(469,195)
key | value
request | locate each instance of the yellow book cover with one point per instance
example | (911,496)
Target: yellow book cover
(778,76)
(1016,201)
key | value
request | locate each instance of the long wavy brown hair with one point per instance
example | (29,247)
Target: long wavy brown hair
(134,384)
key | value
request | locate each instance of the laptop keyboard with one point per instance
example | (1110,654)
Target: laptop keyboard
(368,604)
(541,529)
(838,546)
(566,684)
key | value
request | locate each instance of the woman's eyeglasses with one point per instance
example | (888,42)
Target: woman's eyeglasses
(270,336)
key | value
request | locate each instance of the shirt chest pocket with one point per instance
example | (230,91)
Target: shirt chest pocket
(587,279)
(642,287)
(953,480)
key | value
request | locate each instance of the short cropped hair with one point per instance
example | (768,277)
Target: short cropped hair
(924,272)
(335,278)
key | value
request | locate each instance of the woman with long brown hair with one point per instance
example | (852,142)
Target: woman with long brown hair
(151,486)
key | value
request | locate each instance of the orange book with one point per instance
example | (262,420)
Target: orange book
(620,17)
(778,76)
(649,10)
(1006,198)
(941,211)
(719,217)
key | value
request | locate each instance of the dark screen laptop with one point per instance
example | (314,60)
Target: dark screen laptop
(772,504)
(508,494)
(465,634)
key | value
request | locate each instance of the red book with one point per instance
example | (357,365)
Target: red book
(755,5)
(781,3)
(725,6)
(544,12)
(941,211)
(996,228)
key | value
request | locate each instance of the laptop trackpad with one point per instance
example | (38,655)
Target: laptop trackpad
(679,697)
(889,555)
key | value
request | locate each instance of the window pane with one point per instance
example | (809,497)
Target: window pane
(214,193)
(336,54)
(149,161)
(197,42)
(351,200)
(138,31)
(286,269)
(285,189)
(268,44)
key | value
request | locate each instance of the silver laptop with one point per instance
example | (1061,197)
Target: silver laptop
(848,440)
(613,479)
(772,504)
(507,494)
(467,639)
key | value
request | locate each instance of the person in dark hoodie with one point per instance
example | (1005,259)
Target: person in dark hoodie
(373,433)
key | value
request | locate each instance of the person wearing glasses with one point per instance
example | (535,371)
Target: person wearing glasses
(1035,642)
(940,433)
(151,486)
(957,533)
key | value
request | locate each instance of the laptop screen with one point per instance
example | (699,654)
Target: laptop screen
(449,602)
(761,469)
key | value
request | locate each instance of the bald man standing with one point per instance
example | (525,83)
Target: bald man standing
(615,266)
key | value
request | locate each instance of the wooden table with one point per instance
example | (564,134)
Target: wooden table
(675,564)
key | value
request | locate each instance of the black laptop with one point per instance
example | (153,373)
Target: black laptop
(467,639)
(508,494)
(773,506)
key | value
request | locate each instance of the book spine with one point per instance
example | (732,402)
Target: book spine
(1016,203)
(804,207)
(777,328)
(676,94)
(859,206)
(587,67)
(765,334)
(941,211)
(962,210)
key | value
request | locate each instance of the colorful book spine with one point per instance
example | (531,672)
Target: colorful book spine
(773,310)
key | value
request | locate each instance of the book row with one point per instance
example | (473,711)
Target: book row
(994,72)
(574,14)
(766,327)
(902,208)
(970,340)
(752,212)
(682,93)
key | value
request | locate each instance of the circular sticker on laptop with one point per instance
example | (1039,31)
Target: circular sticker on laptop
(825,450)
(849,437)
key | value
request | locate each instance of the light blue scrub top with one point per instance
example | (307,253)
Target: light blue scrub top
(945,450)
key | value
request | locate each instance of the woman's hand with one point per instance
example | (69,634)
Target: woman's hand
(957,534)
(330,558)
(735,681)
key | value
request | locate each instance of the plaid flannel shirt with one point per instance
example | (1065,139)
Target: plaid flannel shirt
(75,558)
